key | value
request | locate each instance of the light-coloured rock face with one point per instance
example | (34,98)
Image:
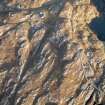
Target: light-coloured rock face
(49,55)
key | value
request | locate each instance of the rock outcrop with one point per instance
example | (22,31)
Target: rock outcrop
(52,52)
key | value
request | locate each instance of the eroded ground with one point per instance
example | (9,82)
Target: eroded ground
(50,54)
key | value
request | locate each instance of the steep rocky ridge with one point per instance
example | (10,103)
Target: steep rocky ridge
(50,52)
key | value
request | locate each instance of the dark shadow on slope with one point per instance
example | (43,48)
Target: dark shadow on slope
(54,6)
(3,16)
(6,11)
(100,5)
(7,66)
(61,52)
(51,103)
(97,24)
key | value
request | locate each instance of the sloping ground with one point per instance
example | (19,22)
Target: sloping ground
(51,53)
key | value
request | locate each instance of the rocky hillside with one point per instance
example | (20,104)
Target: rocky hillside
(52,52)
